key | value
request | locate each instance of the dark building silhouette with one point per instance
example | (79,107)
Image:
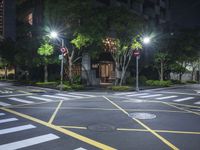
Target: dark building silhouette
(7,19)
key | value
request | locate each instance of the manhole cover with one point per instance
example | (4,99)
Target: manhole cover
(142,115)
(101,127)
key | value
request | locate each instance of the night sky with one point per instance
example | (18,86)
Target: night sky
(185,13)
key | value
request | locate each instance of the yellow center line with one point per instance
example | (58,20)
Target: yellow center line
(55,112)
(145,126)
(160,131)
(62,130)
(181,108)
(73,127)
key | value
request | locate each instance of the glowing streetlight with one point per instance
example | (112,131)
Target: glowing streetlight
(145,40)
(54,35)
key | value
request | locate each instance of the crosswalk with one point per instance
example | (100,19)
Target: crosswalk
(18,129)
(159,96)
(24,143)
(31,99)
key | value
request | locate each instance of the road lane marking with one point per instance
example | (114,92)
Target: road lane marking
(80,94)
(68,95)
(55,112)
(145,126)
(15,95)
(73,127)
(2,114)
(166,97)
(148,96)
(125,93)
(58,97)
(196,113)
(40,98)
(160,131)
(8,120)
(183,99)
(16,129)
(141,94)
(80,148)
(20,100)
(197,103)
(4,104)
(62,130)
(184,105)
(29,142)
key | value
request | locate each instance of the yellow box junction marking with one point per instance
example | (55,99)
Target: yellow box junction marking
(55,112)
(196,113)
(160,131)
(145,126)
(64,131)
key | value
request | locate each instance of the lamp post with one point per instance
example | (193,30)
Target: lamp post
(54,35)
(145,40)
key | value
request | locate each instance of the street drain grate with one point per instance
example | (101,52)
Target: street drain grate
(142,115)
(102,127)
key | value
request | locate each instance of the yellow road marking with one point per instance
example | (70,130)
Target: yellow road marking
(146,127)
(160,131)
(182,109)
(73,127)
(55,112)
(64,131)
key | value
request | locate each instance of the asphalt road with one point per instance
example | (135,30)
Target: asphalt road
(33,118)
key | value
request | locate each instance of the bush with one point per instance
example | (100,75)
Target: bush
(66,87)
(120,88)
(46,83)
(130,80)
(158,83)
(77,87)
(176,82)
(191,81)
(142,80)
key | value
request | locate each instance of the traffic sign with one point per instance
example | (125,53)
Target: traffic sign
(60,57)
(136,53)
(63,50)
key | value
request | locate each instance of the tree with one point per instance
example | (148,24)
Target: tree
(122,54)
(161,60)
(45,50)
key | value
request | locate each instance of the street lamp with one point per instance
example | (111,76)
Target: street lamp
(145,40)
(54,35)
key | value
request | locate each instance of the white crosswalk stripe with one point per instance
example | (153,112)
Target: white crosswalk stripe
(4,104)
(183,99)
(197,103)
(124,93)
(166,97)
(28,142)
(8,120)
(58,97)
(21,100)
(16,129)
(2,114)
(140,94)
(40,98)
(80,148)
(80,94)
(149,96)
(68,95)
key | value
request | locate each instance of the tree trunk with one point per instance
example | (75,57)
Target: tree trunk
(6,72)
(161,71)
(45,73)
(180,76)
(117,72)
(122,77)
(70,70)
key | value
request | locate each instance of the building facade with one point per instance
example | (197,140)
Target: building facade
(7,19)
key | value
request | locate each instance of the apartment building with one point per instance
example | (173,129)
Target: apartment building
(7,19)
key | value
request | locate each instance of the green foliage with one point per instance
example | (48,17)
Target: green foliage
(177,82)
(120,88)
(136,45)
(45,49)
(158,83)
(77,87)
(161,57)
(81,40)
(191,81)
(49,84)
